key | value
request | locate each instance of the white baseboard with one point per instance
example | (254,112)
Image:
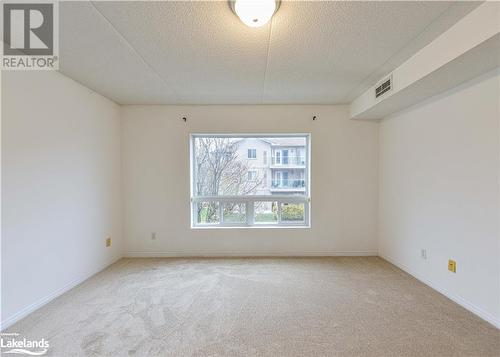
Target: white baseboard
(218,253)
(9,321)
(456,298)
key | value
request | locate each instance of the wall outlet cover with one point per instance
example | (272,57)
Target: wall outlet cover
(452,266)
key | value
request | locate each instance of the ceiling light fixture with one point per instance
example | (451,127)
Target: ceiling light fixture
(254,13)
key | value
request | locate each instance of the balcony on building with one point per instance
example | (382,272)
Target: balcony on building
(288,185)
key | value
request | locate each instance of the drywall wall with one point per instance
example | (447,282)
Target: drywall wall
(61,187)
(439,191)
(344,173)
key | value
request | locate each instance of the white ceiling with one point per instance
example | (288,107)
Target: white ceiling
(200,53)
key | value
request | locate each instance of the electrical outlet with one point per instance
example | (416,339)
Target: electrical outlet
(423,253)
(452,266)
(153,236)
(108,242)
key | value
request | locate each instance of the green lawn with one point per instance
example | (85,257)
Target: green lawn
(266,217)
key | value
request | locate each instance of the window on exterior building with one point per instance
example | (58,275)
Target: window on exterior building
(252,153)
(278,157)
(264,157)
(284,159)
(230,189)
(252,175)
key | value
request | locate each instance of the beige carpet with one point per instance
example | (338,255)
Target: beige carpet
(257,307)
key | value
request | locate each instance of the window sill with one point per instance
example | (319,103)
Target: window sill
(252,227)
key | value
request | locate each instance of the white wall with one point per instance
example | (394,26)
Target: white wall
(438,182)
(61,187)
(439,190)
(156,181)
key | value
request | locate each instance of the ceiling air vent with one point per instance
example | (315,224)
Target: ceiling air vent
(383,87)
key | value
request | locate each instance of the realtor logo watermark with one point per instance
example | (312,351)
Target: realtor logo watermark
(11,343)
(30,38)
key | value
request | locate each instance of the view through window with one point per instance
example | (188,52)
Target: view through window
(250,180)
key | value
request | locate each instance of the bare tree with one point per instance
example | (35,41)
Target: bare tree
(219,171)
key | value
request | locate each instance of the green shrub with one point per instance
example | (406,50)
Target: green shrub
(292,212)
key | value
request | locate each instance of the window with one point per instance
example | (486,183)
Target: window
(229,190)
(252,175)
(252,153)
(264,157)
(285,157)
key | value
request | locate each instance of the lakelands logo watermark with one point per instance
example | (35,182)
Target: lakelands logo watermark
(11,343)
(30,38)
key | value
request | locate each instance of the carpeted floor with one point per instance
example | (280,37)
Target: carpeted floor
(257,307)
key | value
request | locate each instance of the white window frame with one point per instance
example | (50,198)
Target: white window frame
(250,200)
(277,156)
(277,177)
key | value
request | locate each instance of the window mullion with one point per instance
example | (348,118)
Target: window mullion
(194,217)
(307,206)
(249,207)
(221,219)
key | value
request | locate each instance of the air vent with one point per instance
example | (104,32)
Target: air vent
(384,87)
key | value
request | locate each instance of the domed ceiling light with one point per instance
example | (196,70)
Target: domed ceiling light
(254,13)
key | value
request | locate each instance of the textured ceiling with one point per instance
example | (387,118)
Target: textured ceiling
(200,53)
